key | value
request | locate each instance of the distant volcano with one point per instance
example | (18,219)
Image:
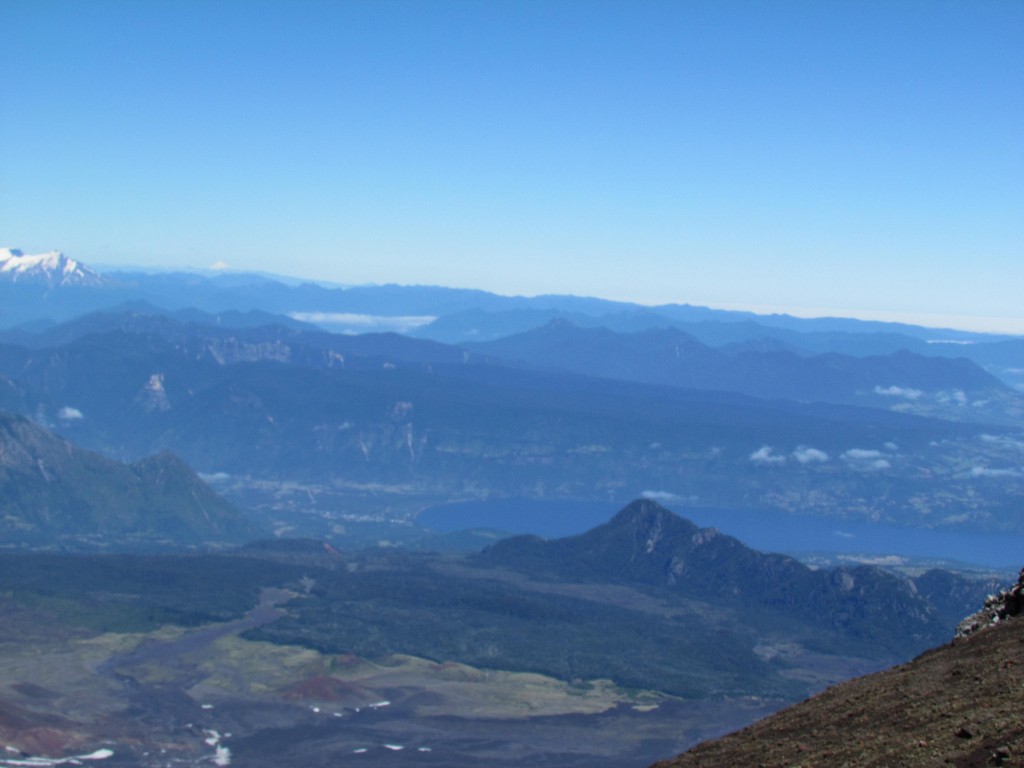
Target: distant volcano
(51,269)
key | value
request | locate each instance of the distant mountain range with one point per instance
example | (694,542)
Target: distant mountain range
(54,495)
(458,316)
(902,380)
(766,417)
(421,420)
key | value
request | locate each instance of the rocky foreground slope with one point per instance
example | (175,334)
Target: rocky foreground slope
(961,705)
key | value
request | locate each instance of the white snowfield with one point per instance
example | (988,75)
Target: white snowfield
(52,267)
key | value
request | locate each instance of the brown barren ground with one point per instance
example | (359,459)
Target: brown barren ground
(958,705)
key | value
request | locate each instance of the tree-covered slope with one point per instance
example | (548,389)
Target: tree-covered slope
(53,493)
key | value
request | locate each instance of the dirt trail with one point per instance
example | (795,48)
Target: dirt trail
(265,612)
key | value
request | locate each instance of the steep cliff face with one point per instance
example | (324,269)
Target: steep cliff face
(959,704)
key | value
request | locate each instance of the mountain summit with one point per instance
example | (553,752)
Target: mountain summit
(51,269)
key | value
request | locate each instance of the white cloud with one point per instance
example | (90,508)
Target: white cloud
(956,396)
(398,323)
(891,447)
(67,413)
(882,560)
(986,472)
(664,496)
(764,455)
(807,455)
(219,266)
(894,391)
(1003,441)
(861,454)
(866,460)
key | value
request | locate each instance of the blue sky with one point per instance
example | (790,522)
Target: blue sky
(847,157)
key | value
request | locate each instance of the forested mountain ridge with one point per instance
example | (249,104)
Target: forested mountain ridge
(56,495)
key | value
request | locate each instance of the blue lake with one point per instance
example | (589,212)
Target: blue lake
(764,530)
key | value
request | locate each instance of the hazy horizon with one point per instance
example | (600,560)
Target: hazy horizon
(971,323)
(849,159)
(978,324)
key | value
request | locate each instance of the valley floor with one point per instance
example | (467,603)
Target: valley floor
(175,697)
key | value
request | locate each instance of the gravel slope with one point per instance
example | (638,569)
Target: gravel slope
(958,705)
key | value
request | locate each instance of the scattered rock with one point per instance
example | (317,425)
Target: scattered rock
(955,705)
(1007,604)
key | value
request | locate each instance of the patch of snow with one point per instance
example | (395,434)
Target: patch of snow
(99,754)
(222,756)
(41,762)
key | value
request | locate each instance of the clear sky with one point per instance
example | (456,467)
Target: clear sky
(844,157)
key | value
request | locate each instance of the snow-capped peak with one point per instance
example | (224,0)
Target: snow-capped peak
(52,268)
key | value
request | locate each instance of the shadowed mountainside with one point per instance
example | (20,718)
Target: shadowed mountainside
(766,368)
(53,493)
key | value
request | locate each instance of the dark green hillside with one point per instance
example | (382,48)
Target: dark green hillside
(753,624)
(425,612)
(54,494)
(648,599)
(138,592)
(646,544)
